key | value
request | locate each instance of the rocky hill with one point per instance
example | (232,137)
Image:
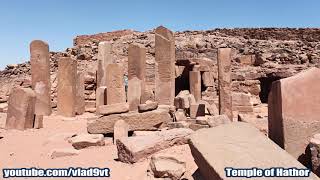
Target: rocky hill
(260,56)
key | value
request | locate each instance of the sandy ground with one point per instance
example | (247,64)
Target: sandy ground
(31,148)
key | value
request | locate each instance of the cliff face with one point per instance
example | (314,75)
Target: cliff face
(260,56)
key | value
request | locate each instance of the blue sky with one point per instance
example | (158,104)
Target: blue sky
(59,21)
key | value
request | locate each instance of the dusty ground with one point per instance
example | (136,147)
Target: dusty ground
(31,148)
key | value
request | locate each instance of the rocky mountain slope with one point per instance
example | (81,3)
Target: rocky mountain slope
(260,56)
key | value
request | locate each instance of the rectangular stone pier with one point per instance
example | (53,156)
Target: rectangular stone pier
(165,59)
(224,82)
(40,76)
(67,75)
(136,75)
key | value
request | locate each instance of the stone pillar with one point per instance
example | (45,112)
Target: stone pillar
(224,78)
(195,84)
(21,109)
(115,84)
(40,75)
(165,59)
(136,75)
(101,96)
(104,59)
(67,72)
(80,99)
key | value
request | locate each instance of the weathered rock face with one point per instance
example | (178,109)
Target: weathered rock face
(67,87)
(165,57)
(150,120)
(237,145)
(21,109)
(40,75)
(293,111)
(133,149)
(113,108)
(315,153)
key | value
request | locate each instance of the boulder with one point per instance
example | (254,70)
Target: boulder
(133,149)
(180,115)
(150,120)
(113,108)
(82,141)
(167,166)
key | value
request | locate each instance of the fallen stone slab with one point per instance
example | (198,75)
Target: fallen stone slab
(237,145)
(148,106)
(133,149)
(167,166)
(113,108)
(57,153)
(82,141)
(150,120)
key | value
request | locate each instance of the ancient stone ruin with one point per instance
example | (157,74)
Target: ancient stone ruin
(155,95)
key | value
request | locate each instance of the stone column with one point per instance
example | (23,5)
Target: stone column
(195,84)
(80,99)
(224,79)
(104,59)
(136,75)
(115,84)
(21,109)
(67,72)
(165,59)
(40,75)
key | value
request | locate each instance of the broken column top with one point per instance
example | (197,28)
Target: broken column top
(38,44)
(164,32)
(237,145)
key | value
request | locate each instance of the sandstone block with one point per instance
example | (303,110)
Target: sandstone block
(293,111)
(242,146)
(82,141)
(207,78)
(113,108)
(167,166)
(148,106)
(150,120)
(21,105)
(63,152)
(133,149)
